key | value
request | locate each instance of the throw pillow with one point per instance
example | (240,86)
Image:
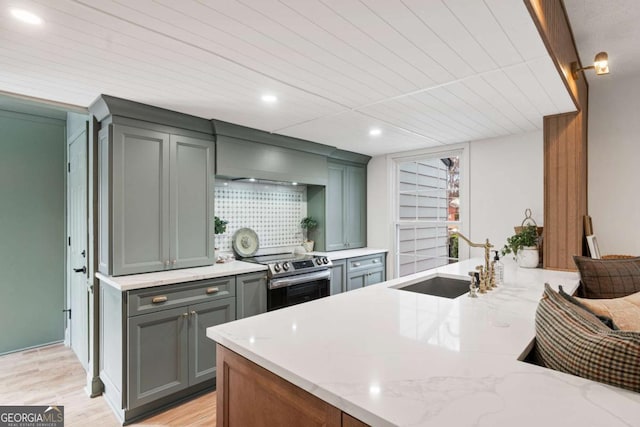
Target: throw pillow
(625,311)
(572,340)
(608,278)
(605,319)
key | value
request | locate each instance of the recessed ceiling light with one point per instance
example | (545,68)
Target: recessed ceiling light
(26,16)
(269,99)
(375,132)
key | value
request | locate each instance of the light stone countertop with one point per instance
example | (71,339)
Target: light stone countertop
(349,253)
(148,280)
(390,357)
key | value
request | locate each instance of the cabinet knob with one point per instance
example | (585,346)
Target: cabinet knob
(375,261)
(193,312)
(166,263)
(160,299)
(173,261)
(212,290)
(185,314)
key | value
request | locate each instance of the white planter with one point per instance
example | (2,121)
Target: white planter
(308,245)
(528,257)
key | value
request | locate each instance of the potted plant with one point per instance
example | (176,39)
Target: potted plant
(308,224)
(524,246)
(219,227)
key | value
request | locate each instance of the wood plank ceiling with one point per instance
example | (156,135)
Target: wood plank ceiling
(426,73)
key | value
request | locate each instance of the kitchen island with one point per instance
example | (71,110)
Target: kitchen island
(390,357)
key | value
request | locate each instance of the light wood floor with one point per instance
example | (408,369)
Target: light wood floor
(52,375)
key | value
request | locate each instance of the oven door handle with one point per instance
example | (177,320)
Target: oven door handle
(300,278)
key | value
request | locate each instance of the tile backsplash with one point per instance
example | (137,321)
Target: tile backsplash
(273,211)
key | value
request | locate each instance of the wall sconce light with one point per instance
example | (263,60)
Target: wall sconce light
(600,65)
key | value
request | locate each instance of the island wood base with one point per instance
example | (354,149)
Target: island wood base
(249,395)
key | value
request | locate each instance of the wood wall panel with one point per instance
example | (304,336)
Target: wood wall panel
(565,144)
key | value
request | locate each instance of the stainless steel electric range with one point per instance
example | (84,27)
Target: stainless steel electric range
(294,279)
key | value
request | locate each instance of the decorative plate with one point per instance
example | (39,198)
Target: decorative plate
(245,242)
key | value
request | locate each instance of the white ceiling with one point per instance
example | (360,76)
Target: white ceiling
(610,26)
(425,72)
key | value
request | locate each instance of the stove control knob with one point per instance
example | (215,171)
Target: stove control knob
(276,267)
(319,261)
(325,260)
(285,266)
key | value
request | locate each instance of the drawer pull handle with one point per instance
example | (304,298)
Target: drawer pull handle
(356,264)
(212,290)
(158,300)
(375,261)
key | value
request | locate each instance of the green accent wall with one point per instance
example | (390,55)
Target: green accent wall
(32,230)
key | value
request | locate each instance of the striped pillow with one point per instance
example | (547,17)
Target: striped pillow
(572,340)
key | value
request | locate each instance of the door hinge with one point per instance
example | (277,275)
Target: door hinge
(68,167)
(67,311)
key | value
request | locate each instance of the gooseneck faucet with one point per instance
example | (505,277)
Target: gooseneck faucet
(487,280)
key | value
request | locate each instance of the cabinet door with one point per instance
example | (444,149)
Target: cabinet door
(375,276)
(356,211)
(357,280)
(338,276)
(336,199)
(202,350)
(251,291)
(191,199)
(140,207)
(158,364)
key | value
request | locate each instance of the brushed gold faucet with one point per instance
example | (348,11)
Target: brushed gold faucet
(487,274)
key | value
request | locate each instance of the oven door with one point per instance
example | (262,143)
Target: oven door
(297,289)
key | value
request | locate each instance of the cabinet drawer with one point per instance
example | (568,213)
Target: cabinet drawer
(164,297)
(365,262)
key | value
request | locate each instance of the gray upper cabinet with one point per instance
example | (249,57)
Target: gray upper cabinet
(191,201)
(156,200)
(346,207)
(251,294)
(155,185)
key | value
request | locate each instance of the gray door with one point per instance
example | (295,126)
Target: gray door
(356,281)
(78,294)
(375,276)
(140,208)
(356,207)
(158,355)
(251,292)
(336,199)
(202,350)
(191,198)
(338,276)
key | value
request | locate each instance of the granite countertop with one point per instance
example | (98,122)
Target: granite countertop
(391,357)
(349,253)
(147,280)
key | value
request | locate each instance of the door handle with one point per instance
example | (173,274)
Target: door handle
(82,270)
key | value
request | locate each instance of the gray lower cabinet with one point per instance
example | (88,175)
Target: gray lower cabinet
(251,294)
(346,220)
(156,199)
(338,276)
(153,344)
(366,270)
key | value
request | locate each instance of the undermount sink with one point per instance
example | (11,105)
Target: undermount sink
(439,287)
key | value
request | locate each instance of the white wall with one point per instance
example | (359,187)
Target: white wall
(505,178)
(614,172)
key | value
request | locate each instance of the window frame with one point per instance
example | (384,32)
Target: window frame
(461,150)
